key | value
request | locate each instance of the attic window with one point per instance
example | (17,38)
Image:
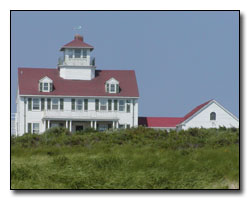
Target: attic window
(212,116)
(112,86)
(45,85)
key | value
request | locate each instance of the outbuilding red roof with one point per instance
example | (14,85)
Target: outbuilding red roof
(168,121)
(77,43)
(159,121)
(28,80)
(196,109)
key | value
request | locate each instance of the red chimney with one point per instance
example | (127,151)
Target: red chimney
(78,37)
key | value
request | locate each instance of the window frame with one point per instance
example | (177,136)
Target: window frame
(114,89)
(213,116)
(46,90)
(76,53)
(103,103)
(121,100)
(33,129)
(79,105)
(52,103)
(38,104)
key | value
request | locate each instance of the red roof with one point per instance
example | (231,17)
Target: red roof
(159,121)
(77,43)
(168,121)
(28,79)
(196,109)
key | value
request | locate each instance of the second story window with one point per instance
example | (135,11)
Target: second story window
(36,104)
(54,104)
(79,104)
(121,105)
(103,103)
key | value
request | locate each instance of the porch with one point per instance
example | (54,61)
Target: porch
(78,125)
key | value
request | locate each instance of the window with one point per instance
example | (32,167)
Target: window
(121,105)
(84,53)
(115,104)
(73,104)
(70,53)
(54,104)
(103,103)
(48,104)
(29,103)
(85,104)
(97,104)
(42,104)
(36,104)
(61,104)
(109,104)
(128,106)
(121,126)
(35,127)
(45,87)
(212,116)
(112,87)
(77,53)
(79,104)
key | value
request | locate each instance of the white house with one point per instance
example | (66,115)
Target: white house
(207,115)
(75,95)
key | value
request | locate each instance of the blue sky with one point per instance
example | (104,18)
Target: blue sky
(181,59)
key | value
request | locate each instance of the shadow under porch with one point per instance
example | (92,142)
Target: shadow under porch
(79,125)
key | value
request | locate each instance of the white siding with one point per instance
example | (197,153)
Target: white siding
(77,73)
(37,116)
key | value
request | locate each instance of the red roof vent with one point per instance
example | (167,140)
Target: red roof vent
(78,37)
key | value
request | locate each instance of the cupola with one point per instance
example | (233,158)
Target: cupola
(76,62)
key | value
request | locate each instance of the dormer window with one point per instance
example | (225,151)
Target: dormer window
(112,86)
(46,85)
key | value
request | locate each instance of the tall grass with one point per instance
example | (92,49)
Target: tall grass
(137,158)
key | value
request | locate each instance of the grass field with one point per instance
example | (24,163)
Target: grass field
(138,158)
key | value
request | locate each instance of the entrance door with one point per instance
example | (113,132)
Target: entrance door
(79,128)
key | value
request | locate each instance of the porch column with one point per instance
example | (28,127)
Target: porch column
(95,125)
(91,124)
(67,125)
(113,124)
(70,125)
(48,124)
(117,124)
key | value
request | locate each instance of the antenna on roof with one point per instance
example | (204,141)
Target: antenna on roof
(77,28)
